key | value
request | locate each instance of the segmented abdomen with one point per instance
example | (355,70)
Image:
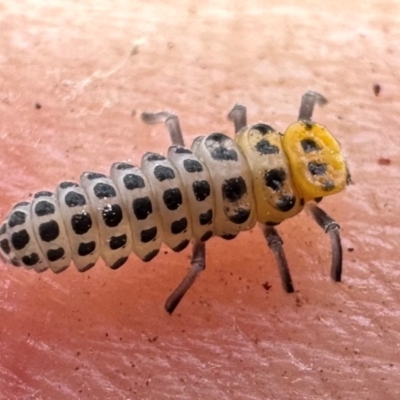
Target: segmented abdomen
(194,193)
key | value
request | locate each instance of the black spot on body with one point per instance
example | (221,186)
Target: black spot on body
(150,256)
(275,178)
(162,173)
(302,202)
(179,226)
(223,154)
(81,223)
(147,235)
(155,157)
(31,259)
(65,185)
(317,168)
(192,165)
(74,199)
(285,203)
(15,262)
(309,145)
(119,263)
(265,147)
(112,215)
(318,199)
(20,204)
(94,175)
(264,129)
(20,239)
(142,207)
(206,218)
(43,193)
(132,181)
(206,236)
(181,246)
(116,242)
(172,198)
(55,254)
(87,248)
(16,218)
(123,166)
(87,267)
(233,189)
(5,246)
(49,231)
(44,208)
(228,236)
(270,223)
(241,216)
(182,150)
(201,190)
(104,191)
(3,229)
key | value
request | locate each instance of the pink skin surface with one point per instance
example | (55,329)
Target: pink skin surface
(104,334)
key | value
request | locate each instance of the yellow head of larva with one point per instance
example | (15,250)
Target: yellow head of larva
(317,165)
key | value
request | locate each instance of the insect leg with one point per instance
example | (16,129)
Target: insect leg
(171,121)
(238,116)
(197,265)
(332,228)
(308,101)
(275,243)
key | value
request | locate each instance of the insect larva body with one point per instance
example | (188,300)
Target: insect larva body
(219,187)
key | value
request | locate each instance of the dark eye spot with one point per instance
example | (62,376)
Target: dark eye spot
(44,208)
(317,168)
(265,147)
(104,190)
(275,178)
(233,189)
(309,145)
(74,199)
(16,218)
(162,173)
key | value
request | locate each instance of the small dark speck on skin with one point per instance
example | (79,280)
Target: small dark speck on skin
(376,88)
(38,106)
(350,249)
(384,161)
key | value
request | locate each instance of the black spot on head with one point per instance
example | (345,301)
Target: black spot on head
(112,215)
(150,256)
(65,185)
(155,157)
(147,235)
(74,199)
(201,190)
(192,165)
(20,239)
(142,207)
(43,193)
(241,216)
(132,181)
(116,242)
(55,254)
(317,168)
(81,223)
(123,166)
(162,173)
(182,245)
(275,178)
(285,203)
(5,246)
(233,189)
(206,218)
(228,236)
(309,145)
(206,236)
(16,218)
(328,185)
(94,175)
(31,259)
(49,231)
(87,248)
(264,129)
(172,198)
(21,204)
(179,226)
(44,208)
(104,190)
(3,229)
(119,263)
(87,267)
(265,147)
(182,150)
